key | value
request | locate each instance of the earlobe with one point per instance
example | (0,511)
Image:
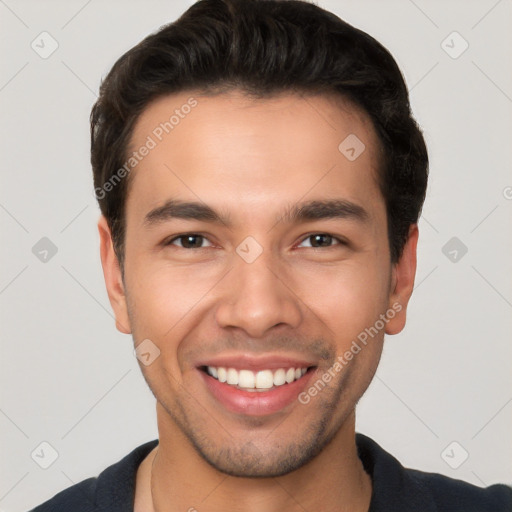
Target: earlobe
(402,282)
(113,277)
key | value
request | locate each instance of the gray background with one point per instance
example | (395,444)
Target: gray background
(70,379)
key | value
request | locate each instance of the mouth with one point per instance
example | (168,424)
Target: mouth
(256,391)
(260,381)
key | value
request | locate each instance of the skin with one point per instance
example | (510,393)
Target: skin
(251,160)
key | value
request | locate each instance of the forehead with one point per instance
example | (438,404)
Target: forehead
(237,152)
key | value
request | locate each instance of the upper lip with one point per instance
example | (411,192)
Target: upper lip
(257,363)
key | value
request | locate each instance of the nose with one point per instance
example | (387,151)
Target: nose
(256,298)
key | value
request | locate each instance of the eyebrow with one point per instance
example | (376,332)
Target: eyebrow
(297,213)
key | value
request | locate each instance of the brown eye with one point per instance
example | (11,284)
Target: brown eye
(189,241)
(319,240)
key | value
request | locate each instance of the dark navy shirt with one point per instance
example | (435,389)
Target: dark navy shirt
(395,488)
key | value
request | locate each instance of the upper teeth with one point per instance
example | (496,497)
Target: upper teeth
(263,379)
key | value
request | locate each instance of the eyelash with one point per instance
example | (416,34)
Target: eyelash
(340,242)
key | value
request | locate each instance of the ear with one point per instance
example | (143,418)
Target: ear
(113,277)
(402,282)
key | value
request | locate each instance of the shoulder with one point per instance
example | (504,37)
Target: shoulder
(79,498)
(450,494)
(113,489)
(397,488)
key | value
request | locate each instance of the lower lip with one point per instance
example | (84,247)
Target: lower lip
(255,403)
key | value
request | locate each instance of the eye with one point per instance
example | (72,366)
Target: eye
(319,240)
(189,241)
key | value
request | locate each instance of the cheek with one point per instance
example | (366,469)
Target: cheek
(347,298)
(164,304)
(165,297)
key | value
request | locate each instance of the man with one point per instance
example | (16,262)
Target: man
(260,179)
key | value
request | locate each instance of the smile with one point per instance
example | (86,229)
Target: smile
(262,380)
(265,389)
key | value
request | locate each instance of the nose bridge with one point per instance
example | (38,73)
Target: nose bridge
(255,298)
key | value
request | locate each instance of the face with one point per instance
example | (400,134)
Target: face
(256,255)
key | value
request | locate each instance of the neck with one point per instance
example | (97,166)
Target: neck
(174,477)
